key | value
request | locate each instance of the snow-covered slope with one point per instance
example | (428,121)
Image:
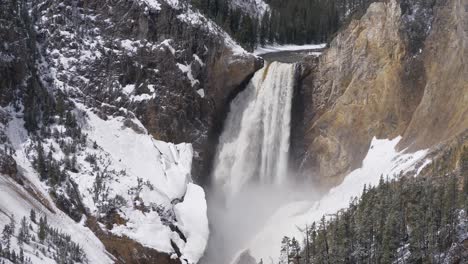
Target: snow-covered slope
(119,168)
(17,203)
(382,159)
(21,193)
(153,178)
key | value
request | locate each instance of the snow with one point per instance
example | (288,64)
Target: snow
(15,200)
(256,8)
(381,159)
(147,229)
(129,88)
(130,46)
(195,56)
(193,221)
(165,167)
(278,48)
(424,165)
(201,92)
(187,69)
(126,154)
(139,155)
(167,43)
(173,3)
(142,97)
(154,4)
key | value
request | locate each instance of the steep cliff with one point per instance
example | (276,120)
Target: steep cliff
(398,70)
(92,92)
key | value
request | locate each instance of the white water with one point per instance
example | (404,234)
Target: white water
(255,143)
(250,172)
(254,202)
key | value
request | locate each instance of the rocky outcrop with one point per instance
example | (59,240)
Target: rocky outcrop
(385,75)
(126,250)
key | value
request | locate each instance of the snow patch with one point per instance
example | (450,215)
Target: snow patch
(154,4)
(201,92)
(187,69)
(193,221)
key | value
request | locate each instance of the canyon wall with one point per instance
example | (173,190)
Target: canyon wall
(397,71)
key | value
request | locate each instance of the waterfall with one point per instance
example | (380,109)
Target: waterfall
(255,142)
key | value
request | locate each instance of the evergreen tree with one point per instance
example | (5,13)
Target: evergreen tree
(264,29)
(42,233)
(408,220)
(21,256)
(40,163)
(464,173)
(32,216)
(285,250)
(294,251)
(24,235)
(6,235)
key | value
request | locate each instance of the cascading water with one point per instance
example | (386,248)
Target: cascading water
(250,170)
(255,143)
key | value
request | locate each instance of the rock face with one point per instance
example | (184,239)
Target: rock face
(166,63)
(389,73)
(443,110)
(171,66)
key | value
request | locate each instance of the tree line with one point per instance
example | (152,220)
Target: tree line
(41,237)
(287,22)
(404,220)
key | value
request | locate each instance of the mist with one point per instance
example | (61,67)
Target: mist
(235,220)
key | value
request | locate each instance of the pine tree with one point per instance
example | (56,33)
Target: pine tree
(13,256)
(264,29)
(42,234)
(464,173)
(40,162)
(6,235)
(32,216)
(294,251)
(24,235)
(21,256)
(285,250)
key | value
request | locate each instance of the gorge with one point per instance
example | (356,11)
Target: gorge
(140,131)
(252,160)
